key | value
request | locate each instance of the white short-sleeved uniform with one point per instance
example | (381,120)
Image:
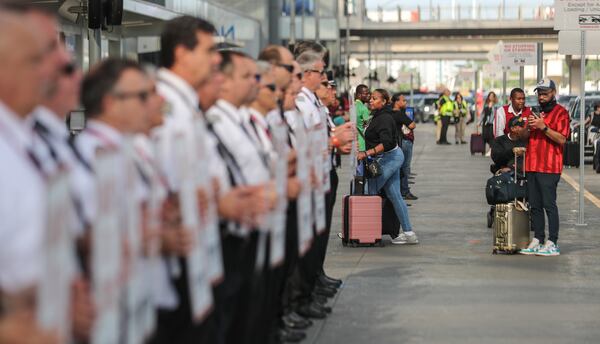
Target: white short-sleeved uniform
(183,117)
(236,134)
(261,127)
(309,106)
(51,147)
(22,206)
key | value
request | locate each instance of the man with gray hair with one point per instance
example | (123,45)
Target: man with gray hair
(311,266)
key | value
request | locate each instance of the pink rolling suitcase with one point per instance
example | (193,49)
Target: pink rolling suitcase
(361,220)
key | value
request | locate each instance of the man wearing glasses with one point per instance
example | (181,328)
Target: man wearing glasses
(544,163)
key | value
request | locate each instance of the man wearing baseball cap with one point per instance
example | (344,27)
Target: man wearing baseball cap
(503,148)
(547,135)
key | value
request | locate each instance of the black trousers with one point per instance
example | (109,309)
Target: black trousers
(289,264)
(445,124)
(541,192)
(258,323)
(176,326)
(330,199)
(245,302)
(228,292)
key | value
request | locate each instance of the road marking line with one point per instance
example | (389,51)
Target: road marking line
(586,193)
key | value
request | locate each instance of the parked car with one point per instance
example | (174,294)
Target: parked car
(575,115)
(416,103)
(565,100)
(429,107)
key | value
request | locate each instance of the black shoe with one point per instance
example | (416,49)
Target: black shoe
(410,197)
(325,291)
(463,142)
(333,280)
(447,143)
(319,299)
(300,324)
(290,336)
(410,182)
(330,282)
(321,283)
(455,142)
(325,309)
(310,311)
(298,318)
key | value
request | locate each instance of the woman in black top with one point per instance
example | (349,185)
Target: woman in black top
(487,118)
(381,142)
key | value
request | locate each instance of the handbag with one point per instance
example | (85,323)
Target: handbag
(372,168)
(505,187)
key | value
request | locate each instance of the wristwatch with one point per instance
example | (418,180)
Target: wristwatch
(545,129)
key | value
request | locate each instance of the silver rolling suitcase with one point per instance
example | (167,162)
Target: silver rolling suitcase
(511,226)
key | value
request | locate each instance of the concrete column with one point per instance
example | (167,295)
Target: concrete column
(574,74)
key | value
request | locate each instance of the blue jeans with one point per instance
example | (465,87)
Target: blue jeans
(407,149)
(389,181)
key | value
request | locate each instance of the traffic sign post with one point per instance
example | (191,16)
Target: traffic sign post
(582,16)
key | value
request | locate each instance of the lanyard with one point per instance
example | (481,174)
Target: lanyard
(233,120)
(152,163)
(43,133)
(193,108)
(262,156)
(233,166)
(315,102)
(22,151)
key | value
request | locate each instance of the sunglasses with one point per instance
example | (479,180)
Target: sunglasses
(143,96)
(271,87)
(288,67)
(321,72)
(69,69)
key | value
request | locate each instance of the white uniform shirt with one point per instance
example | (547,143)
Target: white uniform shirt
(236,135)
(309,105)
(22,206)
(97,135)
(183,117)
(51,147)
(261,127)
(500,119)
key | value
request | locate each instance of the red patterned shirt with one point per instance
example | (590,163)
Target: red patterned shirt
(543,154)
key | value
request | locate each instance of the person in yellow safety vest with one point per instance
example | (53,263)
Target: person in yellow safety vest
(446,109)
(461,110)
(437,121)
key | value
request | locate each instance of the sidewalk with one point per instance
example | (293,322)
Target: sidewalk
(450,288)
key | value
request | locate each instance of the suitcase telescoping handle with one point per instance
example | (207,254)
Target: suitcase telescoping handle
(517,169)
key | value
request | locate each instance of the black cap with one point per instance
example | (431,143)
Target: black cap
(516,121)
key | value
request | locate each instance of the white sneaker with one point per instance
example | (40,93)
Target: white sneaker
(548,250)
(404,239)
(532,249)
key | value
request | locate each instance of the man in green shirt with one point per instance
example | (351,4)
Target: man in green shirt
(363,97)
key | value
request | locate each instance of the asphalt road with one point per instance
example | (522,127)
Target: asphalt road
(450,288)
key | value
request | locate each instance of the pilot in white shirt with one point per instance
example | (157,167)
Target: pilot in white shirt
(237,136)
(22,205)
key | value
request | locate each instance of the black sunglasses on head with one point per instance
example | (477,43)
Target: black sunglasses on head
(271,87)
(288,67)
